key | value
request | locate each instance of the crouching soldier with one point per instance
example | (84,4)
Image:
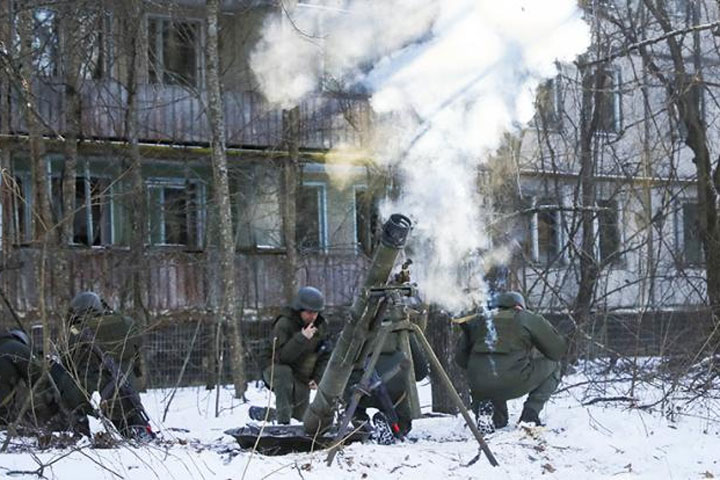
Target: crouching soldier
(301,352)
(499,352)
(50,402)
(389,393)
(102,353)
(117,335)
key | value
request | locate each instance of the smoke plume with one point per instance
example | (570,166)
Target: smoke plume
(447,78)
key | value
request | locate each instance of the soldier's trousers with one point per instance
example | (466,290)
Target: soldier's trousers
(292,395)
(395,388)
(538,378)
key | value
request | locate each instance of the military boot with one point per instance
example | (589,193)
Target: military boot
(529,415)
(500,414)
(382,432)
(484,417)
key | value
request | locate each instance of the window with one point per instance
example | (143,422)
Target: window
(258,217)
(692,252)
(173,53)
(23,202)
(365,218)
(45,42)
(176,211)
(548,232)
(544,236)
(94,44)
(608,230)
(92,218)
(548,104)
(692,90)
(677,8)
(596,5)
(311,228)
(608,100)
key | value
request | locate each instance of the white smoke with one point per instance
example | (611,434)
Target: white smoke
(449,77)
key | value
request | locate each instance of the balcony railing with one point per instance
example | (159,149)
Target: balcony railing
(176,115)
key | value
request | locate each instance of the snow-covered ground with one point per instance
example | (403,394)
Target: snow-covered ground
(606,439)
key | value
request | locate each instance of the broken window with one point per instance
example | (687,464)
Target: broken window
(310,230)
(94,40)
(548,231)
(21,192)
(257,203)
(543,237)
(176,213)
(173,51)
(92,220)
(92,217)
(45,42)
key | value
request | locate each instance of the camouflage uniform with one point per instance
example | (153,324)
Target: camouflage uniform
(57,402)
(120,337)
(98,342)
(500,352)
(297,361)
(389,358)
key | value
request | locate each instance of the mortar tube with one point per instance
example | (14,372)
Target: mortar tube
(364,309)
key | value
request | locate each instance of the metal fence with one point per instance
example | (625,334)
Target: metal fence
(183,352)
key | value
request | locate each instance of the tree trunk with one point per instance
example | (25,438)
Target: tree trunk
(7,186)
(589,271)
(228,314)
(288,198)
(71,66)
(135,34)
(41,218)
(442,338)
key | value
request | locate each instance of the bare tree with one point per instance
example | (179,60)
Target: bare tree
(229,311)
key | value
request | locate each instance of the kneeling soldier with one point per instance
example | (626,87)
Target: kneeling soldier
(56,404)
(102,353)
(302,350)
(499,354)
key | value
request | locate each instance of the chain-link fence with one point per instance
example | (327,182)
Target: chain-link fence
(184,352)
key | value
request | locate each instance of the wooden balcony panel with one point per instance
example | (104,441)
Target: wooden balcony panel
(327,122)
(171,114)
(178,281)
(104,107)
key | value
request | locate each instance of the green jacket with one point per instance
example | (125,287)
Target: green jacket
(20,370)
(120,337)
(17,364)
(510,336)
(306,357)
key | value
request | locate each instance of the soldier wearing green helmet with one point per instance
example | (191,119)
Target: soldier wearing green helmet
(508,353)
(301,351)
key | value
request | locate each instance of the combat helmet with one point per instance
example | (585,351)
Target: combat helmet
(19,335)
(509,300)
(308,298)
(86,303)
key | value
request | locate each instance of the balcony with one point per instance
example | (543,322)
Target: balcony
(176,115)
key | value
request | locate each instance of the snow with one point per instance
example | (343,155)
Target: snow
(678,438)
